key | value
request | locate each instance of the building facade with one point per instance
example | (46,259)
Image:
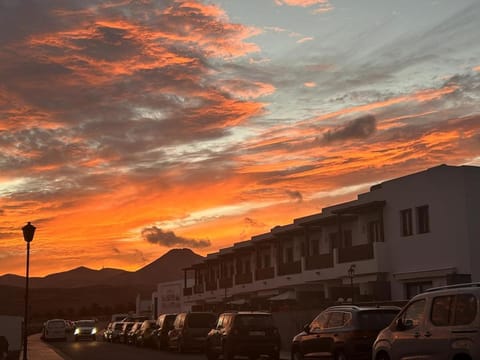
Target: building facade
(399,238)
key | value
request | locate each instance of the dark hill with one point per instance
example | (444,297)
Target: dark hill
(166,268)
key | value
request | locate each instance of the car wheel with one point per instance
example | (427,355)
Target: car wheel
(340,355)
(382,356)
(180,346)
(210,354)
(297,355)
(275,355)
(227,354)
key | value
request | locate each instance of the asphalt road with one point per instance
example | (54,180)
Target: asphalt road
(100,350)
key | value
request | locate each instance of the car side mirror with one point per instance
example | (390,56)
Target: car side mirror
(306,328)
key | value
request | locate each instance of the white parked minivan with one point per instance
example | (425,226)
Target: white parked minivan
(440,324)
(54,329)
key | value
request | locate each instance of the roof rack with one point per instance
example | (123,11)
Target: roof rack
(354,307)
(456,286)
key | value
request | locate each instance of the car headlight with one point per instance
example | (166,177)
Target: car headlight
(77,331)
(94,331)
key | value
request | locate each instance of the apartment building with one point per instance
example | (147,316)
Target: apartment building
(399,238)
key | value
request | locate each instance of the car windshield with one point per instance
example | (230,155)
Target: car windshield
(85,323)
(253,321)
(56,324)
(376,319)
(201,320)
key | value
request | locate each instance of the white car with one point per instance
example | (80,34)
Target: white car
(85,329)
(54,329)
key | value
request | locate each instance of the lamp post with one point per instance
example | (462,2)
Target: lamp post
(28,232)
(351,274)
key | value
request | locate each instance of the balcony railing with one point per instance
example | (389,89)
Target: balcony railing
(264,273)
(290,268)
(199,289)
(355,253)
(187,291)
(321,261)
(225,282)
(211,285)
(243,278)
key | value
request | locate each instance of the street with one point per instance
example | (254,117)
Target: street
(99,350)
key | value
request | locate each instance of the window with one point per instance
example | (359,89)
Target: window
(332,237)
(319,322)
(415,288)
(465,309)
(315,246)
(289,255)
(347,238)
(335,320)
(423,225)
(442,310)
(266,261)
(414,313)
(374,232)
(406,222)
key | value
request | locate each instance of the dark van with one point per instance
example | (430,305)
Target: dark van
(190,331)
(164,325)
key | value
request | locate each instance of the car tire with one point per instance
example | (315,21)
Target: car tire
(297,355)
(275,355)
(210,354)
(382,356)
(180,346)
(227,354)
(340,355)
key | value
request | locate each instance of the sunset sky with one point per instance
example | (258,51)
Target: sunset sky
(131,127)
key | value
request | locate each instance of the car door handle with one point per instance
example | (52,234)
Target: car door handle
(428,334)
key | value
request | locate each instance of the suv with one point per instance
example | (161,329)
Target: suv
(243,333)
(190,330)
(343,332)
(145,334)
(441,323)
(164,325)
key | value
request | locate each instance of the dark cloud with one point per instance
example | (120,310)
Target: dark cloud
(156,235)
(359,128)
(253,223)
(296,195)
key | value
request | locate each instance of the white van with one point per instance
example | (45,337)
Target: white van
(55,329)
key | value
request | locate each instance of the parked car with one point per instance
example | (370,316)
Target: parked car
(442,323)
(126,327)
(243,333)
(85,329)
(133,332)
(116,333)
(54,329)
(190,331)
(343,332)
(164,325)
(107,332)
(145,334)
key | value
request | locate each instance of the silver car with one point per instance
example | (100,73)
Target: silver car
(441,323)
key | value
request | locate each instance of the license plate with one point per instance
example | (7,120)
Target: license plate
(257,333)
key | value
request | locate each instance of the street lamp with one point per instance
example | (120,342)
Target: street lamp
(351,274)
(28,232)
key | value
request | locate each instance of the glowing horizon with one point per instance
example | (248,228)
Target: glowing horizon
(203,123)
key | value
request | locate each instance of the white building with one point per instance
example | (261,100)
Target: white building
(401,237)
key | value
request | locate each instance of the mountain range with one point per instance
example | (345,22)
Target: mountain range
(166,268)
(83,291)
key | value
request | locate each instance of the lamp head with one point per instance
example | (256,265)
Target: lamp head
(28,232)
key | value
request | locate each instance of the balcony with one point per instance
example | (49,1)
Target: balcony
(199,289)
(355,253)
(321,261)
(225,283)
(187,291)
(243,278)
(290,268)
(264,273)
(211,285)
